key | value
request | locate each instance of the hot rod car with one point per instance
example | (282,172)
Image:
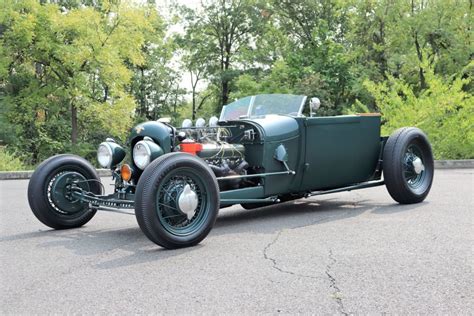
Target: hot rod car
(264,149)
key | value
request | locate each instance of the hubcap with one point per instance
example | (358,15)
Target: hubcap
(188,201)
(418,165)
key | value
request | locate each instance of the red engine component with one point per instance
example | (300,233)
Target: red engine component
(190,147)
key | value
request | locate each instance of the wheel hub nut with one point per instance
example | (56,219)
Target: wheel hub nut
(418,165)
(188,201)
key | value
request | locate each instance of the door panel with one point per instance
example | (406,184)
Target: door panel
(340,150)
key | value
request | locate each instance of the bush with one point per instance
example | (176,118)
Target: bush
(444,111)
(9,162)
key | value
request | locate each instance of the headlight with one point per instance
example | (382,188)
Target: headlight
(109,154)
(104,155)
(145,151)
(141,155)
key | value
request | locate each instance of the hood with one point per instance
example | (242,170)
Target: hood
(159,132)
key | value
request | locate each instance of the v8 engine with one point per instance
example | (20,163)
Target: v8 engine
(224,159)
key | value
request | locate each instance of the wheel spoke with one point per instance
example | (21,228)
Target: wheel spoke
(167,202)
(168,206)
(176,215)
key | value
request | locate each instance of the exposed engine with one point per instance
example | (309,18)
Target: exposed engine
(210,144)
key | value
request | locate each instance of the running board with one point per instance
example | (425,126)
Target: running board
(364,185)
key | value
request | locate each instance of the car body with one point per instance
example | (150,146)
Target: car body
(263,149)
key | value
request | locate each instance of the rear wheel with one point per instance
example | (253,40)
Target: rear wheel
(177,200)
(408,166)
(48,193)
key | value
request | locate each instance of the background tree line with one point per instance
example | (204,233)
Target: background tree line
(73,72)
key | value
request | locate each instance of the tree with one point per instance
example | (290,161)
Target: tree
(228,29)
(195,54)
(61,64)
(155,82)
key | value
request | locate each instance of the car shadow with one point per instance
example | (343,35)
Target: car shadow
(265,220)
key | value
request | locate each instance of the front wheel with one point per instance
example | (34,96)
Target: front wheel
(408,166)
(48,194)
(177,200)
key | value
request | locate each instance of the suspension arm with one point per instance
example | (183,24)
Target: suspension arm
(115,201)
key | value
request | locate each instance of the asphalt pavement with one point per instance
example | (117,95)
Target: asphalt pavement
(347,253)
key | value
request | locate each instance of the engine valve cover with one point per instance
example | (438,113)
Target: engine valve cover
(218,151)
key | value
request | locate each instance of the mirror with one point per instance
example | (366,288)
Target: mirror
(314,105)
(281,154)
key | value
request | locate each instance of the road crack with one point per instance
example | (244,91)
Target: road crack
(336,293)
(275,240)
(275,263)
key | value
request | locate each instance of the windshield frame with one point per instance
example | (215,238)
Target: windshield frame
(252,104)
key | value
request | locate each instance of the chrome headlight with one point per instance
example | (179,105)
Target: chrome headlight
(145,151)
(109,154)
(141,155)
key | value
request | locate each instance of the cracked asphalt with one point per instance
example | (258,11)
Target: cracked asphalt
(347,253)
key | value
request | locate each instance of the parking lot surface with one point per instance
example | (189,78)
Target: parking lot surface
(347,253)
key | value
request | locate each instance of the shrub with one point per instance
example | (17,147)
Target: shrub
(8,162)
(444,111)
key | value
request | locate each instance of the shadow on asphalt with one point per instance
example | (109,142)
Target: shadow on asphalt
(265,220)
(300,213)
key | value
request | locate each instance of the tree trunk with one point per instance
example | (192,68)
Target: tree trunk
(383,63)
(193,85)
(225,92)
(73,124)
(420,58)
(194,105)
(419,53)
(142,100)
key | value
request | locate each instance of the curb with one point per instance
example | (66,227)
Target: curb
(454,164)
(438,164)
(18,175)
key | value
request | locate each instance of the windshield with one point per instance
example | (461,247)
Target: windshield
(263,104)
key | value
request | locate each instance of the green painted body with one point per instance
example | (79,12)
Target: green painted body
(316,154)
(159,132)
(339,151)
(325,152)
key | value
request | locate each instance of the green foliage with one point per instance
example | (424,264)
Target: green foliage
(9,162)
(443,110)
(66,72)
(218,38)
(75,72)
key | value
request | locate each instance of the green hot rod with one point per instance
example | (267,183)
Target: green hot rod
(264,149)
